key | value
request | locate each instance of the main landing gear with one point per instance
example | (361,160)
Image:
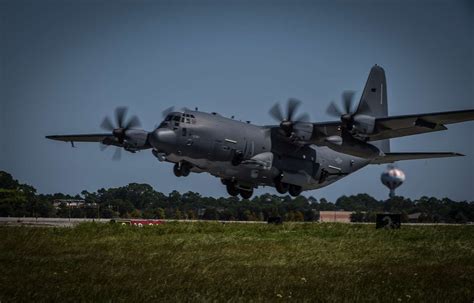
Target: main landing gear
(283,188)
(182,169)
(234,191)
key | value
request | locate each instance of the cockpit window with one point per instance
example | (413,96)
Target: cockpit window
(175,119)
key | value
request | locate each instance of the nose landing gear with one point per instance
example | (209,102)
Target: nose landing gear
(182,169)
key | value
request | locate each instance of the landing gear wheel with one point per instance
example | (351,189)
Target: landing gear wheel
(246,194)
(231,189)
(281,187)
(182,169)
(295,190)
(185,169)
(177,170)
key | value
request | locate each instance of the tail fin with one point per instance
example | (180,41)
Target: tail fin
(374,98)
(373,101)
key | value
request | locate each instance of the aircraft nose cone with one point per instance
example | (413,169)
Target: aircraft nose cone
(163,139)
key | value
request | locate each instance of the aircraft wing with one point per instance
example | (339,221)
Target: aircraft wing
(392,157)
(407,125)
(81,138)
(400,126)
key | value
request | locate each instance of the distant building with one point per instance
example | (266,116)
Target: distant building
(414,218)
(72,203)
(335,216)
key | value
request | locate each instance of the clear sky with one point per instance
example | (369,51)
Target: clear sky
(67,64)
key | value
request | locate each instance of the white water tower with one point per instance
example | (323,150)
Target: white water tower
(392,178)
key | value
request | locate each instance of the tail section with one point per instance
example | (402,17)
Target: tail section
(373,101)
(374,98)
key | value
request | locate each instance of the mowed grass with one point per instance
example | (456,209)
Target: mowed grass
(237,263)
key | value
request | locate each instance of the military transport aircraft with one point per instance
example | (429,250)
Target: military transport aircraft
(293,156)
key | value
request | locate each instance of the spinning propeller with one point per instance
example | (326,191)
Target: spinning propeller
(358,121)
(347,114)
(288,121)
(120,129)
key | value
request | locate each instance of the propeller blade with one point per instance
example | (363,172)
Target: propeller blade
(167,111)
(292,106)
(347,99)
(120,113)
(107,124)
(275,112)
(304,117)
(117,154)
(134,122)
(333,110)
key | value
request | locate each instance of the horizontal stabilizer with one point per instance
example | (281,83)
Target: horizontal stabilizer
(392,157)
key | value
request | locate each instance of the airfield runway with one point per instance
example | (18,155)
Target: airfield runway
(71,222)
(47,222)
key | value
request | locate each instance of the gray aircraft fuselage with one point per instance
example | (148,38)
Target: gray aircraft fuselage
(293,156)
(208,142)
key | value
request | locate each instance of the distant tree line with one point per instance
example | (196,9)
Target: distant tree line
(142,201)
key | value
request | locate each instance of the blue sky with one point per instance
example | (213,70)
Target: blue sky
(67,64)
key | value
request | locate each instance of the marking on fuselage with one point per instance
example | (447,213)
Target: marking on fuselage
(334,167)
(381,93)
(230,141)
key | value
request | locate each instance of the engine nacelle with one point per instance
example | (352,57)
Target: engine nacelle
(135,139)
(302,131)
(363,125)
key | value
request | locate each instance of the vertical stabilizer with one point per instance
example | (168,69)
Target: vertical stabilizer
(373,101)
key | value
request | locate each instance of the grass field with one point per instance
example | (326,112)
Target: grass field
(237,262)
